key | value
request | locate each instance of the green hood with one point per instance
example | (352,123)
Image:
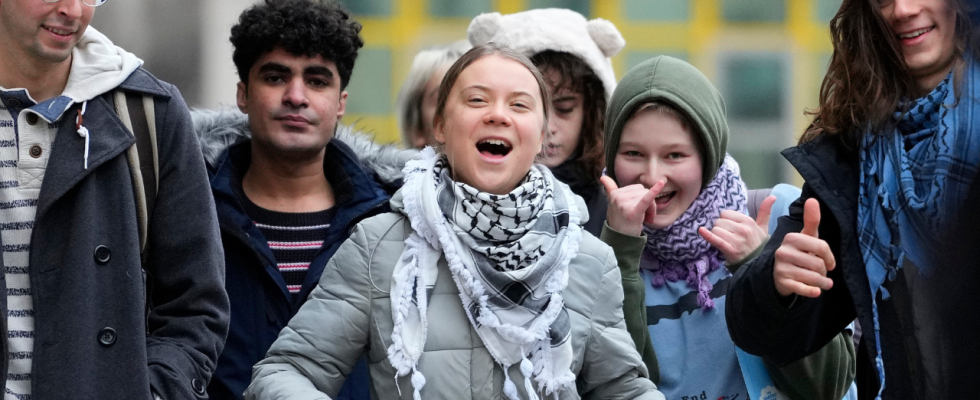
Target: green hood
(676,82)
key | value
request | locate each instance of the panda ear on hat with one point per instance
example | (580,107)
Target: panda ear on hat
(606,36)
(483,27)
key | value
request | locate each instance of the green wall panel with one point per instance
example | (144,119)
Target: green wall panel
(458,8)
(657,10)
(755,88)
(754,10)
(373,8)
(370,85)
(580,6)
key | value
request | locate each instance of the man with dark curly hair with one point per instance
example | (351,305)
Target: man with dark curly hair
(288,195)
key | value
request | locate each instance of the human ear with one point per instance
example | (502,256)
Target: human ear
(342,106)
(242,98)
(437,129)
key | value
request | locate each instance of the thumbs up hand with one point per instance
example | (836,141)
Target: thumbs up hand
(803,260)
(630,206)
(736,234)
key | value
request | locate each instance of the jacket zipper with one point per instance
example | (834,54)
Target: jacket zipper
(360,217)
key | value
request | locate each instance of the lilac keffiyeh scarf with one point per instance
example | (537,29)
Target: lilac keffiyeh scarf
(678,252)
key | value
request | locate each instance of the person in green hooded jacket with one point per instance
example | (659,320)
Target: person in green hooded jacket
(678,223)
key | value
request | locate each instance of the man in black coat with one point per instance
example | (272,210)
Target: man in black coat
(75,317)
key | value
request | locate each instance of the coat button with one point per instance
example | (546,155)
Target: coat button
(107,336)
(36,151)
(14,102)
(198,386)
(31,118)
(102,254)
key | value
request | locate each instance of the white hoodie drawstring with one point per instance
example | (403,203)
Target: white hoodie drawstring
(82,131)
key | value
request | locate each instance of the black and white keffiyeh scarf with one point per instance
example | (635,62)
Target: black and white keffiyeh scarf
(508,255)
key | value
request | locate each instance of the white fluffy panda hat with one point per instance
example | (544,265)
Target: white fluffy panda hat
(531,32)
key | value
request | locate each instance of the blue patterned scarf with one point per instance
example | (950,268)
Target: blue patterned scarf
(914,180)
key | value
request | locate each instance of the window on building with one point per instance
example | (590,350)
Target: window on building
(580,6)
(635,57)
(372,8)
(756,88)
(754,10)
(826,9)
(459,9)
(369,91)
(657,10)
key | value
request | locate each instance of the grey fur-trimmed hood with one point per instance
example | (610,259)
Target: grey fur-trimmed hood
(218,129)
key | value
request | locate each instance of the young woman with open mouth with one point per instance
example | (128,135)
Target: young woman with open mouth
(481,284)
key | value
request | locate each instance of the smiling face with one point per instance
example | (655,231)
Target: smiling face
(293,103)
(492,124)
(655,147)
(565,125)
(46,32)
(925,30)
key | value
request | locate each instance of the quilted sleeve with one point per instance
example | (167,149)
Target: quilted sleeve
(612,368)
(321,344)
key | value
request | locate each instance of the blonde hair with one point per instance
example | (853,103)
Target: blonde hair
(408,106)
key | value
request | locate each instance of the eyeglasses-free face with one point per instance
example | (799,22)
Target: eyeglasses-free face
(493,124)
(90,3)
(926,31)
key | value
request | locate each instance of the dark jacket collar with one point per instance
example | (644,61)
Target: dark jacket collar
(575,174)
(352,184)
(65,166)
(357,196)
(829,165)
(144,82)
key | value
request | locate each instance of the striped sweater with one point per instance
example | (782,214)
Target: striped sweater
(294,238)
(25,143)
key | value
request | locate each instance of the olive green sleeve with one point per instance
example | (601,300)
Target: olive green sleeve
(732,267)
(824,375)
(628,249)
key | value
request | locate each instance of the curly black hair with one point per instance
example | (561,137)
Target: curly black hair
(300,27)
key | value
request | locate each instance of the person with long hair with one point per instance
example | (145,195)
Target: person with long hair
(480,278)
(573,54)
(887,161)
(416,103)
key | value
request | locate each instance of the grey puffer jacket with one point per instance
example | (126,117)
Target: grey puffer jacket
(350,313)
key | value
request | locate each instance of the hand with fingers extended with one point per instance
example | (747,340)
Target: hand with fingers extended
(630,206)
(736,234)
(803,260)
